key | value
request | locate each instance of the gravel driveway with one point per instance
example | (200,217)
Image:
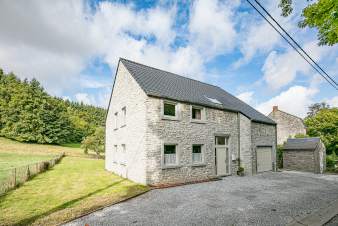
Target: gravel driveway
(264,199)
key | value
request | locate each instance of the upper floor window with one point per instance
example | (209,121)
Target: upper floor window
(197,113)
(116,115)
(169,110)
(124,116)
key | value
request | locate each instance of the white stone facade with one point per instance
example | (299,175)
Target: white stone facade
(146,131)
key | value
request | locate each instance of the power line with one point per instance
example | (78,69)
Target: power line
(294,41)
(292,45)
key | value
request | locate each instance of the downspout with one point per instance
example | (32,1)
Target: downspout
(276,154)
(239,141)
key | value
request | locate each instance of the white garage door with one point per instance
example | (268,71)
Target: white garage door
(264,161)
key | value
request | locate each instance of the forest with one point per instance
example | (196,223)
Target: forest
(29,114)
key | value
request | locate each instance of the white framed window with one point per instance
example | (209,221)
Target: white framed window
(124,116)
(197,153)
(115,154)
(116,116)
(169,110)
(197,113)
(170,155)
(123,154)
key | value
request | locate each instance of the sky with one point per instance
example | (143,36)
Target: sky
(72,47)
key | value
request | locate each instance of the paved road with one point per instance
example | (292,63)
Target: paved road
(265,199)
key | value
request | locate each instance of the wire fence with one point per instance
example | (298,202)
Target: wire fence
(14,177)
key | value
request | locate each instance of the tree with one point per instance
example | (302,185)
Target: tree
(322,15)
(29,114)
(314,108)
(94,142)
(324,124)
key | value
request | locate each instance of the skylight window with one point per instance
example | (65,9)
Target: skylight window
(213,100)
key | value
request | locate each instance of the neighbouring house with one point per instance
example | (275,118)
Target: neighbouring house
(162,128)
(304,154)
(287,125)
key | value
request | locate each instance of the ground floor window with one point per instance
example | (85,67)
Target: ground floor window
(197,154)
(170,155)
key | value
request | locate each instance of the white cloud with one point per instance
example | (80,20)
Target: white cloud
(295,101)
(84,98)
(333,102)
(247,97)
(281,69)
(255,41)
(54,41)
(212,26)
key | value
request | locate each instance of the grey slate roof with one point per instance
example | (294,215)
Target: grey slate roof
(302,143)
(159,83)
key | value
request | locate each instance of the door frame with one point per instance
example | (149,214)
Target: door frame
(226,136)
(264,146)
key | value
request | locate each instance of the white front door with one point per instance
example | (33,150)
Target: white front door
(264,160)
(222,156)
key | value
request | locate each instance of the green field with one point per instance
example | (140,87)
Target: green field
(9,160)
(77,185)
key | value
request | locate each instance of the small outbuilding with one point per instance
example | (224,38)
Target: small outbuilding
(304,154)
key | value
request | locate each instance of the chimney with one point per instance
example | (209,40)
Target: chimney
(275,108)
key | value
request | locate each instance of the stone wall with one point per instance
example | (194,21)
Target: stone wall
(127,93)
(302,160)
(263,135)
(186,133)
(287,125)
(245,144)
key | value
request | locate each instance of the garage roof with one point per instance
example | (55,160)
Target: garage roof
(159,83)
(302,143)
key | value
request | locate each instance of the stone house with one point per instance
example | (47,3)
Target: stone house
(304,154)
(162,128)
(287,125)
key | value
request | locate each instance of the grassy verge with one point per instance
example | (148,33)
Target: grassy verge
(75,186)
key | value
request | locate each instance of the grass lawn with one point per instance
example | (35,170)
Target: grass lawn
(72,145)
(10,160)
(7,145)
(75,186)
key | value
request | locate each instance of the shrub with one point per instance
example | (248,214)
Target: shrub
(240,171)
(330,162)
(280,156)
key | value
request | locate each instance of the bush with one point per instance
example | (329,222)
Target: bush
(94,142)
(240,171)
(280,156)
(331,161)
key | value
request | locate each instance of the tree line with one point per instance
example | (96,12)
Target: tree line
(29,114)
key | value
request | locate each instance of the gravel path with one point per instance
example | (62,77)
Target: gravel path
(264,199)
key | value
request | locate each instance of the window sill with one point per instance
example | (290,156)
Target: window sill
(171,167)
(199,165)
(169,118)
(198,121)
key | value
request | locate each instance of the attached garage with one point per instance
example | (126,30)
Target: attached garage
(264,159)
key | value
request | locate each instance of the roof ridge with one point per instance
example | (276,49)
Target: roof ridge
(289,114)
(121,58)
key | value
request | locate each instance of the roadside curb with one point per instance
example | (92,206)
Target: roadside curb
(319,217)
